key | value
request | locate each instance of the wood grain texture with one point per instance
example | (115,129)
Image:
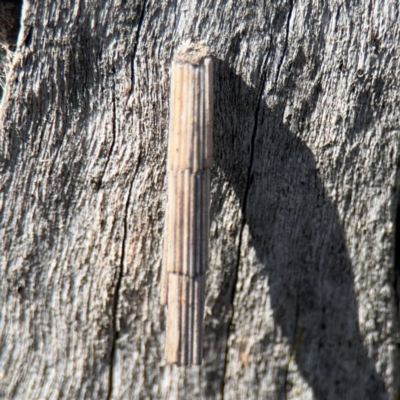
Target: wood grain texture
(300,287)
(187,222)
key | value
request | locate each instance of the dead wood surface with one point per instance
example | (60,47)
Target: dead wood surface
(300,299)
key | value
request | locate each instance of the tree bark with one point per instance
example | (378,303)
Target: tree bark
(300,300)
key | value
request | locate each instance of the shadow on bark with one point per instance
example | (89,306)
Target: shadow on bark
(298,239)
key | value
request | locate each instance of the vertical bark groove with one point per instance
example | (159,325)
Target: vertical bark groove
(124,241)
(140,24)
(243,222)
(113,132)
(119,277)
(291,5)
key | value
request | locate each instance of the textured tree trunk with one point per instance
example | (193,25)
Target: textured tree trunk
(301,296)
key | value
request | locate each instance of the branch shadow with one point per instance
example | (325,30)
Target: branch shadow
(298,239)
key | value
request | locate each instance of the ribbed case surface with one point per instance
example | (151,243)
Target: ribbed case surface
(186,233)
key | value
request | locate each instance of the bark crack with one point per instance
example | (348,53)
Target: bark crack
(286,40)
(113,131)
(115,333)
(119,276)
(140,24)
(141,18)
(244,207)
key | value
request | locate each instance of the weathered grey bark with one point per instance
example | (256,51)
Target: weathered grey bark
(301,300)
